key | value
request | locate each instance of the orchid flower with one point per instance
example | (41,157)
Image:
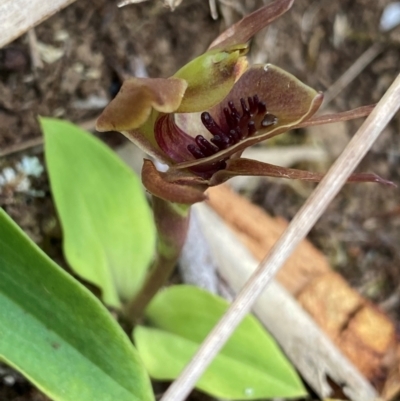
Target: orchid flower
(200,120)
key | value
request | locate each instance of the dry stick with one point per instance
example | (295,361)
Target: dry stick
(19,147)
(34,50)
(349,75)
(296,231)
(359,112)
(127,2)
(87,125)
(213,9)
(17,16)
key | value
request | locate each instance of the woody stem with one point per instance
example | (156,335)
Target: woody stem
(172,221)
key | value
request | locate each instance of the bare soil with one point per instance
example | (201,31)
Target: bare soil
(93,45)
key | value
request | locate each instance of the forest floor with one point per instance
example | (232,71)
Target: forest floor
(88,48)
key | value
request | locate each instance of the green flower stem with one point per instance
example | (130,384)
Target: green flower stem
(172,221)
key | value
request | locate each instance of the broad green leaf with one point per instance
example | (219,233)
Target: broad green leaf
(250,366)
(109,234)
(57,333)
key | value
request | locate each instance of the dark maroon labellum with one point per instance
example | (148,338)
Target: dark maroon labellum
(240,125)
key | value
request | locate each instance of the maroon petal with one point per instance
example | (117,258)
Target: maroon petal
(359,112)
(246,28)
(179,146)
(249,167)
(172,187)
(285,96)
(172,140)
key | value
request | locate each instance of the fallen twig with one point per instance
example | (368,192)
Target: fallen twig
(351,73)
(34,51)
(88,125)
(18,16)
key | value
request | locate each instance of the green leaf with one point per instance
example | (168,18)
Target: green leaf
(57,333)
(250,366)
(109,234)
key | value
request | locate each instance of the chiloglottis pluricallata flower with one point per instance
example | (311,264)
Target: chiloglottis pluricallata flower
(200,120)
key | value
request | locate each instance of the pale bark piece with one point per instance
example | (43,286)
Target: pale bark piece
(196,264)
(369,340)
(364,334)
(330,301)
(260,231)
(391,389)
(18,16)
(309,349)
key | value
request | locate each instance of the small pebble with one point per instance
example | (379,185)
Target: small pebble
(390,16)
(9,380)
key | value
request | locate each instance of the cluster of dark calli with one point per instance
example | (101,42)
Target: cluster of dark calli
(253,117)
